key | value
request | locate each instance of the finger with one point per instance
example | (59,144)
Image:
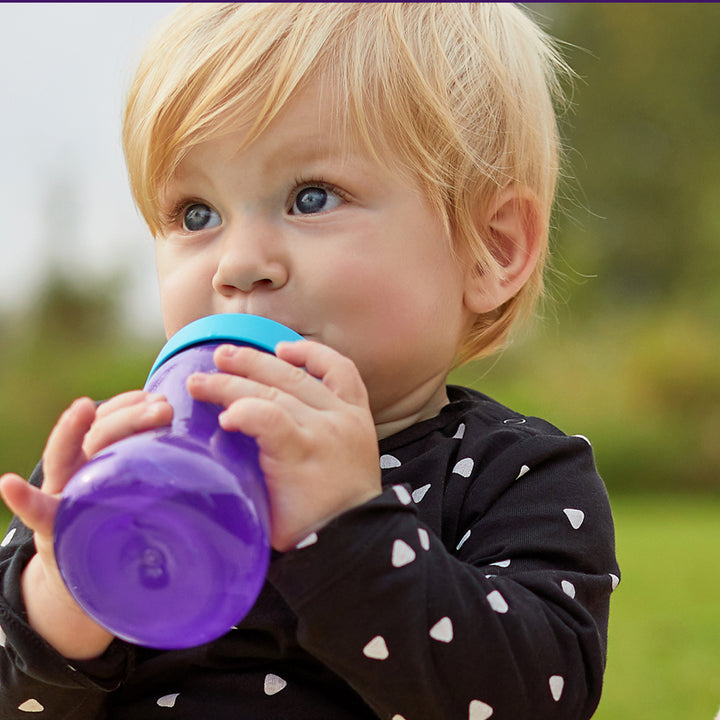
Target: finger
(271,425)
(231,392)
(126,399)
(272,372)
(224,389)
(35,508)
(12,489)
(337,372)
(126,420)
(64,449)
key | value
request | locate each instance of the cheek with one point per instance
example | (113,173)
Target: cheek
(358,286)
(423,313)
(185,289)
(397,305)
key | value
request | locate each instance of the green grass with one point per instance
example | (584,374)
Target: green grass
(664,645)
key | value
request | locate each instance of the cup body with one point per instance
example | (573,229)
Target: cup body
(163,537)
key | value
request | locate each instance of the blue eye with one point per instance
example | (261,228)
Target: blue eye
(314,199)
(199,216)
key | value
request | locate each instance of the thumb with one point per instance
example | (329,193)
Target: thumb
(35,508)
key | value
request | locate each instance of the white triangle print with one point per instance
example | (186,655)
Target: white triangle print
(419,494)
(502,563)
(311,539)
(557,684)
(376,649)
(497,602)
(31,706)
(568,588)
(460,433)
(463,539)
(480,710)
(575,516)
(274,684)
(424,537)
(615,580)
(402,554)
(464,467)
(442,630)
(389,461)
(402,494)
(8,538)
(3,638)
(524,469)
(168,701)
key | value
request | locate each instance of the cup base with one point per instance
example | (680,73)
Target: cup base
(154,562)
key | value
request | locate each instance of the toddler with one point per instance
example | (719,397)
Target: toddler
(379,178)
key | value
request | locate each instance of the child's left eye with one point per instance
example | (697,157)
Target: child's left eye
(313,199)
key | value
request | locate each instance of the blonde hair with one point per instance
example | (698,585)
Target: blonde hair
(462,95)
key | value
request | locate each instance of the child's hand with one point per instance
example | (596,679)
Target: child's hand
(81,431)
(314,429)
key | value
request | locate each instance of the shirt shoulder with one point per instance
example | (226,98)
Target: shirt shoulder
(482,424)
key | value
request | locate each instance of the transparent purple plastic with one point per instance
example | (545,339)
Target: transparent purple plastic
(163,537)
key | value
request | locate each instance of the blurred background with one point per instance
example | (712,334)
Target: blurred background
(625,350)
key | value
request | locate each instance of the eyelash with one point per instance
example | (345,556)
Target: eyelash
(300,183)
(172,217)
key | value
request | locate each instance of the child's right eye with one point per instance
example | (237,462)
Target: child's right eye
(199,216)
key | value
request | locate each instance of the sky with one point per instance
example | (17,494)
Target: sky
(65,68)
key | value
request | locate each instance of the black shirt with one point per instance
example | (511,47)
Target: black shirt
(477,585)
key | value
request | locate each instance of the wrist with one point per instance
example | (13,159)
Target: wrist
(309,532)
(54,615)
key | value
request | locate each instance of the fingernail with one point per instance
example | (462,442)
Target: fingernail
(152,411)
(227,350)
(74,406)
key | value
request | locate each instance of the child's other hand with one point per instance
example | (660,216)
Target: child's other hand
(81,431)
(308,410)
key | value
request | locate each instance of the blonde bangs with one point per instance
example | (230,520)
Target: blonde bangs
(212,69)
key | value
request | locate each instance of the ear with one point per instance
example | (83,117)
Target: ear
(513,229)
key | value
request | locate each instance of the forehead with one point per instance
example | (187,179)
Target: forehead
(313,125)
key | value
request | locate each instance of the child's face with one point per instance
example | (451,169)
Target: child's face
(325,241)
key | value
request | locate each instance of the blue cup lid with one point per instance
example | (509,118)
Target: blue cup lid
(259,332)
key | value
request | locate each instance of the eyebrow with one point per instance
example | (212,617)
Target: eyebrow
(307,150)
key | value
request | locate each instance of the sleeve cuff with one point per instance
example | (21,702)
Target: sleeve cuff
(33,656)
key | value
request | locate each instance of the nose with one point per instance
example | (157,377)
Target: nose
(250,258)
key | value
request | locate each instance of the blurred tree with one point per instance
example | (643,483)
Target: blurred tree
(66,346)
(646,160)
(73,312)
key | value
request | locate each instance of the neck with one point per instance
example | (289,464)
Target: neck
(422,404)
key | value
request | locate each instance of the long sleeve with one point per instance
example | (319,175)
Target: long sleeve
(476,586)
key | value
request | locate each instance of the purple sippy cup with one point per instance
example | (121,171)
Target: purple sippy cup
(163,537)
